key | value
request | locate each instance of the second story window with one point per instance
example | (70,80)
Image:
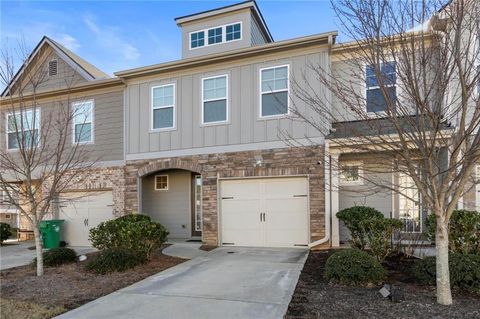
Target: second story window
(163,107)
(23,129)
(376,101)
(214,100)
(274,91)
(215,35)
(233,31)
(83,122)
(197,39)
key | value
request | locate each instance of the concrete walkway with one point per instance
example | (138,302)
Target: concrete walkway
(185,250)
(16,253)
(225,283)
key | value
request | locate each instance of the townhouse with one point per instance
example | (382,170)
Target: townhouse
(207,145)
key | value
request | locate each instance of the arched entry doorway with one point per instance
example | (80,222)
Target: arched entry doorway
(173,197)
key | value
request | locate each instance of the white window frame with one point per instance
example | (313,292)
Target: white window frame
(37,123)
(155,182)
(366,88)
(153,108)
(420,211)
(344,182)
(273,91)
(92,126)
(205,40)
(227,104)
(224,35)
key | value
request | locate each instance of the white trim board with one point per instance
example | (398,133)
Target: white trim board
(225,149)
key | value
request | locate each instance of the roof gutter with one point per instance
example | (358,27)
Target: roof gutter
(322,38)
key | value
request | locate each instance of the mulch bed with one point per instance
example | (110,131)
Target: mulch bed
(69,286)
(314,297)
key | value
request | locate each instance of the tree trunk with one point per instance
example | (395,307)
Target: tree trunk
(444,294)
(39,250)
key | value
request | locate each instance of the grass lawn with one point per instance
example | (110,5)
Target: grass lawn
(24,295)
(314,297)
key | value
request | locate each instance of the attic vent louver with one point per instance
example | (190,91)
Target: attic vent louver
(52,68)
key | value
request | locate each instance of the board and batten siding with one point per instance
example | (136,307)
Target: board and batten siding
(244,125)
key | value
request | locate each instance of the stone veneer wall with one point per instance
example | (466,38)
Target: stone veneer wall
(307,161)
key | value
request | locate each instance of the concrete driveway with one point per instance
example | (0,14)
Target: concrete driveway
(15,254)
(225,283)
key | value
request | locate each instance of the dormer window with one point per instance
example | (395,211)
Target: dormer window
(234,31)
(197,39)
(216,35)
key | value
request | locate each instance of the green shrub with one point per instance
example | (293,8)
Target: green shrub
(352,217)
(378,234)
(58,256)
(5,232)
(464,271)
(115,259)
(463,231)
(135,232)
(353,266)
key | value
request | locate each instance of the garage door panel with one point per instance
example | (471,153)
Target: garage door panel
(241,189)
(284,201)
(81,212)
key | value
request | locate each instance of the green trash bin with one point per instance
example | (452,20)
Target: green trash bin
(50,230)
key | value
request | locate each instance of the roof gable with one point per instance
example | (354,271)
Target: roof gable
(84,71)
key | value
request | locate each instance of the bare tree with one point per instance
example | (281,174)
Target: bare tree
(409,77)
(39,158)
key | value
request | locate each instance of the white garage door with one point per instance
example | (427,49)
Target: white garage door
(269,212)
(81,212)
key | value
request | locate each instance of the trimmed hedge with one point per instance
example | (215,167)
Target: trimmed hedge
(353,267)
(58,256)
(5,232)
(115,259)
(463,231)
(352,217)
(135,232)
(464,271)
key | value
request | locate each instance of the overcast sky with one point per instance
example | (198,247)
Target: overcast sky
(118,35)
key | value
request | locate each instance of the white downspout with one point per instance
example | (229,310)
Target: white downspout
(328,194)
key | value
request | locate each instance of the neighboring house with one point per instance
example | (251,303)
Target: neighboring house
(72,82)
(203,145)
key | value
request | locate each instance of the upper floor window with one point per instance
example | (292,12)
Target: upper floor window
(214,99)
(376,101)
(215,35)
(274,86)
(163,107)
(233,31)
(23,129)
(83,122)
(197,39)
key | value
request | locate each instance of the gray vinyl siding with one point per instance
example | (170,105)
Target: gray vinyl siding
(244,125)
(107,126)
(243,16)
(66,75)
(257,35)
(171,207)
